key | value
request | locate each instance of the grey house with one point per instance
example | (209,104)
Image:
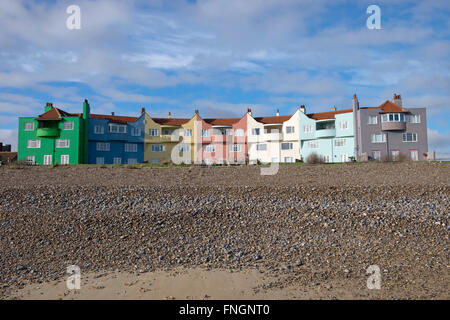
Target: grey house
(389,131)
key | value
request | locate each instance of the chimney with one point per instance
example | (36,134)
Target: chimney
(86,109)
(278,113)
(355,103)
(302,108)
(334,108)
(112,113)
(48,106)
(397,100)
(142,110)
(169,115)
(249,111)
(196,111)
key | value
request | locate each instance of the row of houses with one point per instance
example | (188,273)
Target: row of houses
(366,133)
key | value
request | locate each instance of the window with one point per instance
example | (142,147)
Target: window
(372,120)
(64,159)
(153,132)
(31,160)
(62,143)
(48,159)
(205,132)
(414,118)
(410,137)
(229,132)
(154,161)
(326,158)
(395,154)
(313,144)
(209,148)
(68,125)
(117,160)
(188,133)
(261,147)
(288,159)
(343,125)
(339,142)
(183,148)
(344,158)
(33,143)
(99,129)
(239,132)
(117,128)
(132,161)
(102,146)
(393,117)
(414,154)
(287,146)
(290,129)
(135,132)
(378,138)
(235,148)
(100,160)
(28,126)
(307,128)
(131,147)
(167,132)
(376,154)
(157,148)
(255,131)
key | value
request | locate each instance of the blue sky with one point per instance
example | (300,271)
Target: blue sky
(222,57)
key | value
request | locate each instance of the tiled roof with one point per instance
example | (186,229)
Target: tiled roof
(56,114)
(171,121)
(273,120)
(390,107)
(328,114)
(118,119)
(222,122)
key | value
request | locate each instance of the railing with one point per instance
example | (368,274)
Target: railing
(47,132)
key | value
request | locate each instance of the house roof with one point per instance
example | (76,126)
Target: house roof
(222,122)
(56,114)
(273,120)
(117,119)
(390,107)
(328,114)
(171,121)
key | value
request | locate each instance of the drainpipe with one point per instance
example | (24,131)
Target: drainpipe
(356,128)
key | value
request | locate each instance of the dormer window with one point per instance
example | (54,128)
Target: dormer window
(117,128)
(393,117)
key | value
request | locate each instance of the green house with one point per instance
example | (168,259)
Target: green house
(54,137)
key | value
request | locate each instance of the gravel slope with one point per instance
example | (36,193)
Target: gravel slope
(313,224)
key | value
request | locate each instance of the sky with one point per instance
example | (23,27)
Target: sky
(222,57)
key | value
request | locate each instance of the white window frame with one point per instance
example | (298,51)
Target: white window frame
(256,131)
(373,138)
(414,118)
(188,132)
(34,144)
(371,118)
(261,147)
(100,160)
(65,159)
(313,144)
(289,159)
(205,132)
(48,156)
(117,160)
(119,127)
(239,132)
(396,156)
(307,128)
(416,152)
(67,123)
(343,125)
(157,148)
(132,161)
(385,117)
(31,159)
(153,132)
(136,132)
(289,145)
(102,146)
(340,142)
(326,158)
(99,129)
(62,143)
(25,128)
(376,152)
(235,148)
(209,148)
(131,147)
(413,137)
(290,129)
(182,148)
(344,157)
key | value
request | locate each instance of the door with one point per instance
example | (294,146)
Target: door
(376,155)
(64,159)
(395,154)
(48,159)
(414,155)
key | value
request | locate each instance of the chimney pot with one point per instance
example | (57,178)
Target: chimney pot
(170,115)
(196,111)
(142,110)
(354,96)
(112,113)
(334,108)
(278,112)
(49,104)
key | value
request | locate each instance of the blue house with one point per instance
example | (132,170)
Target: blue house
(328,134)
(116,139)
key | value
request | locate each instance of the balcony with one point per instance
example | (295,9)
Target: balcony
(47,132)
(395,126)
(273,136)
(324,133)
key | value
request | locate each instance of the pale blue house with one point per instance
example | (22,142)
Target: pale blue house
(328,134)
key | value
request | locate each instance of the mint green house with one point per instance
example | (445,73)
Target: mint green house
(328,134)
(54,137)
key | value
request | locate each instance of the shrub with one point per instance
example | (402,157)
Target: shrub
(314,158)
